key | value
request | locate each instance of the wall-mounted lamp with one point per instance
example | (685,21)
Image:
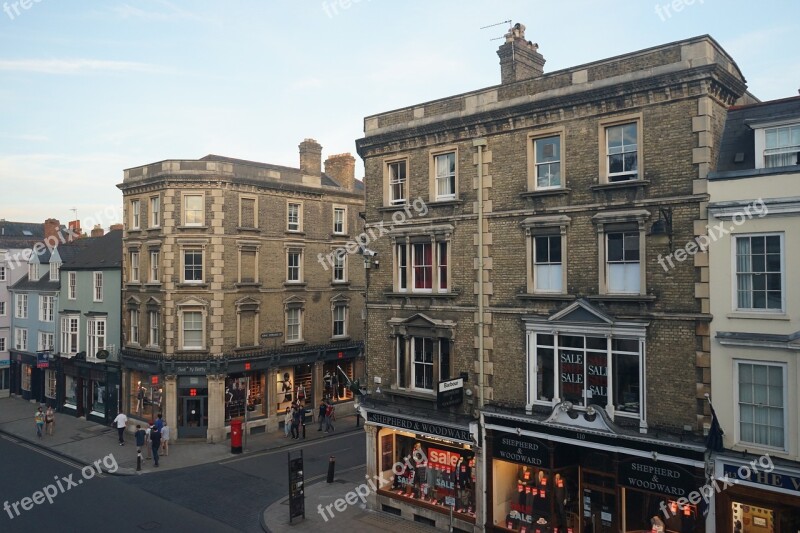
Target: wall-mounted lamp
(661,230)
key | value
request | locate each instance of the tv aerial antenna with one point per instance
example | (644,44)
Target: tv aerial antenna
(498,24)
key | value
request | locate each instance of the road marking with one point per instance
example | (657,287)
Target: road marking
(288,448)
(40,451)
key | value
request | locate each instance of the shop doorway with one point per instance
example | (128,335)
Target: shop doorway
(193,415)
(599,503)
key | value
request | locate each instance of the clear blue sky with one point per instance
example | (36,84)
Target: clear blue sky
(89,88)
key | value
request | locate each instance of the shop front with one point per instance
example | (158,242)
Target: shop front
(85,389)
(425,470)
(201,398)
(761,495)
(28,375)
(550,478)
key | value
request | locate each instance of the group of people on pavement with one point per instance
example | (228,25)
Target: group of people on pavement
(45,421)
(154,438)
(294,418)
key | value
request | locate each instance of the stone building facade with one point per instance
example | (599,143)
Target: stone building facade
(234,304)
(546,276)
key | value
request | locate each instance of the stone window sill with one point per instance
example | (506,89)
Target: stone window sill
(758,316)
(391,294)
(192,285)
(247,284)
(244,229)
(545,296)
(446,203)
(620,185)
(545,192)
(622,297)
(407,393)
(294,285)
(195,228)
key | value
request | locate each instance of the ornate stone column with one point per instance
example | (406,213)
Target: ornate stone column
(216,408)
(171,403)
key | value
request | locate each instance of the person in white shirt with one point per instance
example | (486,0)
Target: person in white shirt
(165,438)
(121,422)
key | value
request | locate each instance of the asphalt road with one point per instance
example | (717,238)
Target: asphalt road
(219,497)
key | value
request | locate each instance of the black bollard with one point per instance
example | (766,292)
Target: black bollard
(358,420)
(331,468)
(138,459)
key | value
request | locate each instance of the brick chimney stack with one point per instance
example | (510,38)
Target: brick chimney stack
(97,231)
(51,231)
(310,157)
(519,59)
(77,232)
(342,169)
(116,227)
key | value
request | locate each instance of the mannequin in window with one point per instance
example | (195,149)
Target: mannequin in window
(541,500)
(327,379)
(562,497)
(286,387)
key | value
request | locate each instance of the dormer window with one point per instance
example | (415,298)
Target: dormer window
(782,146)
(54,271)
(33,271)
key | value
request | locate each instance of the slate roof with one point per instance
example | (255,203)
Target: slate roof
(288,174)
(20,234)
(101,253)
(67,252)
(739,138)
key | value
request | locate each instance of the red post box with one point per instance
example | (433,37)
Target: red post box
(236,436)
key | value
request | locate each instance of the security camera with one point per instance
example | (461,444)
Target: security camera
(368,253)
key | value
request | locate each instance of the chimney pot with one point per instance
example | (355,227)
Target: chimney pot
(97,231)
(519,58)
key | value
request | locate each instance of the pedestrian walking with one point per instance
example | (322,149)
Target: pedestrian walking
(38,418)
(165,438)
(121,421)
(147,443)
(321,415)
(330,416)
(155,440)
(296,418)
(140,437)
(160,422)
(287,422)
(50,420)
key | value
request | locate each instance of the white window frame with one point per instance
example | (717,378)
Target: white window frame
(154,328)
(21,339)
(21,306)
(413,363)
(391,182)
(296,269)
(610,264)
(734,269)
(194,251)
(339,222)
(3,274)
(202,330)
(70,330)
(133,319)
(3,344)
(54,266)
(784,403)
(46,305)
(155,211)
(72,285)
(134,271)
(343,309)
(45,342)
(405,266)
(539,265)
(50,383)
(96,335)
(294,321)
(339,267)
(294,216)
(33,271)
(604,128)
(761,149)
(2,308)
(136,214)
(196,213)
(155,255)
(97,286)
(450,177)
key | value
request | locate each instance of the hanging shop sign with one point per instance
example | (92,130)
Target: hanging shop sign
(450,393)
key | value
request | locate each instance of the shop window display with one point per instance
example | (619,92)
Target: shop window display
(334,383)
(237,401)
(98,398)
(294,386)
(433,473)
(70,392)
(146,395)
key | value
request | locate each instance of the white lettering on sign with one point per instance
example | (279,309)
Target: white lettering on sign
(452,384)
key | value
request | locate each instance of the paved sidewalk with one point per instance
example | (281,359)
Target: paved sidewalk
(356,518)
(85,442)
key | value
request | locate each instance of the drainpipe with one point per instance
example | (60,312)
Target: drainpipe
(479,144)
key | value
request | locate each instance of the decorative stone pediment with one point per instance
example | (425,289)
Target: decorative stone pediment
(192,301)
(423,326)
(583,312)
(593,417)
